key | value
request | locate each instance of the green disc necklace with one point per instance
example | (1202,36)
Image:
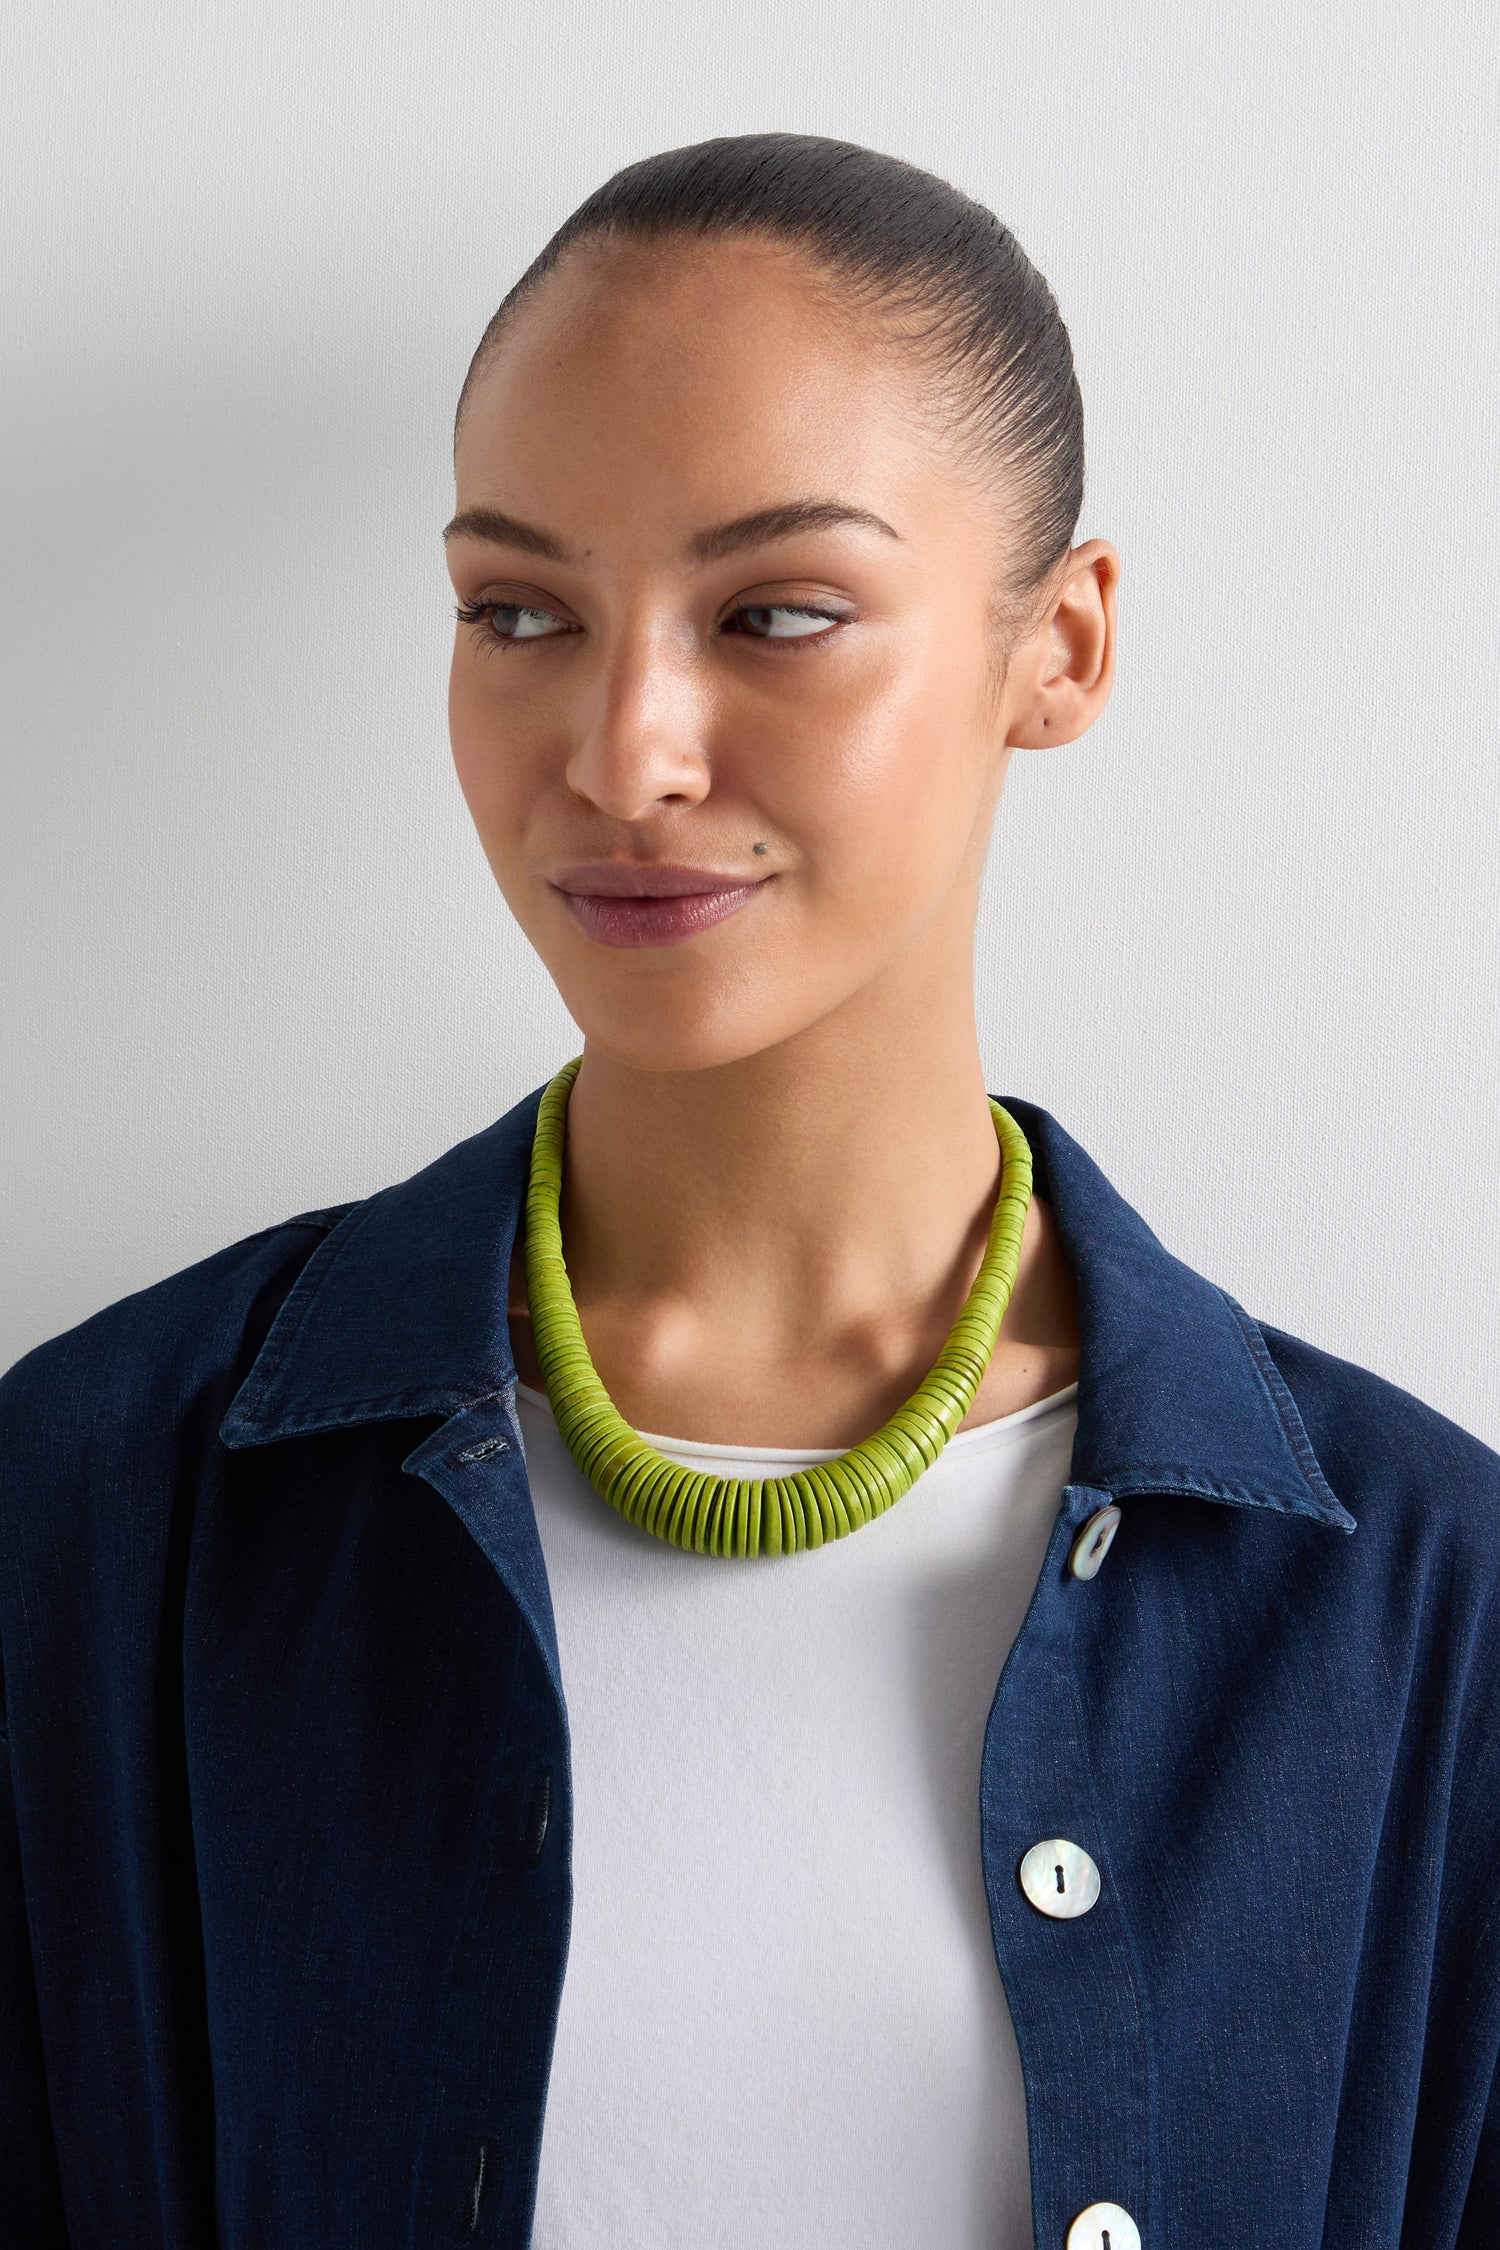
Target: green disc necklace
(752,1515)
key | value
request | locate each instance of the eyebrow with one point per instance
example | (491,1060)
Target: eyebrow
(781,522)
(754,530)
(502,530)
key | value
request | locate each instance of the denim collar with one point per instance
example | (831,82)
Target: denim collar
(401,1311)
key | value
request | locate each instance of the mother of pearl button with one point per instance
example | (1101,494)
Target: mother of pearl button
(1104,2226)
(1093,1542)
(1060,1879)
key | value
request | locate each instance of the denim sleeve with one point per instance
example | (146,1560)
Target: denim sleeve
(30,2189)
(1475,1845)
(1480,2228)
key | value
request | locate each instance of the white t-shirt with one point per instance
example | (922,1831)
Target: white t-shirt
(782,2026)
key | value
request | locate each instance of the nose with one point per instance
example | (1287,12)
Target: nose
(638,732)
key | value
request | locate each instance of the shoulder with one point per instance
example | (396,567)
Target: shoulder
(1393,1460)
(144,1360)
(108,1444)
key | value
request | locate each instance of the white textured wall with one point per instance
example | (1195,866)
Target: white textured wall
(1242,939)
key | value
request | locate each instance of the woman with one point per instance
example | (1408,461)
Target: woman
(746,1658)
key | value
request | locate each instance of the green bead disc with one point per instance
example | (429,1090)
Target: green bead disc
(695,1508)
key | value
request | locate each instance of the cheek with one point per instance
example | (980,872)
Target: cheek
(465,730)
(890,788)
(490,761)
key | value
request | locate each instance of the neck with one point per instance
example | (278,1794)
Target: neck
(780,1244)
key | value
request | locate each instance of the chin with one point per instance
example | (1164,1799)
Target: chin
(656,1047)
(674,1035)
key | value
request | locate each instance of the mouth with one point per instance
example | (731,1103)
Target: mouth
(638,904)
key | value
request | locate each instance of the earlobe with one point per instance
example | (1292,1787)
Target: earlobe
(1072,653)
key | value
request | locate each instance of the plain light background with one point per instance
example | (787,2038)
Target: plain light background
(1241,939)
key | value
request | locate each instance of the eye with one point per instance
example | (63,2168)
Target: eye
(782,621)
(511,621)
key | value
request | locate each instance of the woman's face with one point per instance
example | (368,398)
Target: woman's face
(726,589)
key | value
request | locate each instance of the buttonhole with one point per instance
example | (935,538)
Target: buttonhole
(475,2192)
(483,1449)
(1062,1886)
(538,1814)
(1104,2238)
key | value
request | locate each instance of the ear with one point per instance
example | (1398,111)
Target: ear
(1060,674)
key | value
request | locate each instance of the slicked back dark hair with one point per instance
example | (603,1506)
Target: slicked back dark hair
(899,241)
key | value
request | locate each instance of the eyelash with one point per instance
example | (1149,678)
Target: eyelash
(477,614)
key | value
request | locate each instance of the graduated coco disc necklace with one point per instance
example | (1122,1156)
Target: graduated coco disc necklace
(753,1515)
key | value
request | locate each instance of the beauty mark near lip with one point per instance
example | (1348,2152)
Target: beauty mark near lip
(617,918)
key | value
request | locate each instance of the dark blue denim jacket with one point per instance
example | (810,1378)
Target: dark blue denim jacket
(284,1845)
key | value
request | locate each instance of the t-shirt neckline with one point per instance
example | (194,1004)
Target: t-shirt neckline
(982,1434)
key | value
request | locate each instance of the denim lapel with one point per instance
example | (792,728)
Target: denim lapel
(401,1311)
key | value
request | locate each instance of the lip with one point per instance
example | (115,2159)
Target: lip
(644,878)
(635,902)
